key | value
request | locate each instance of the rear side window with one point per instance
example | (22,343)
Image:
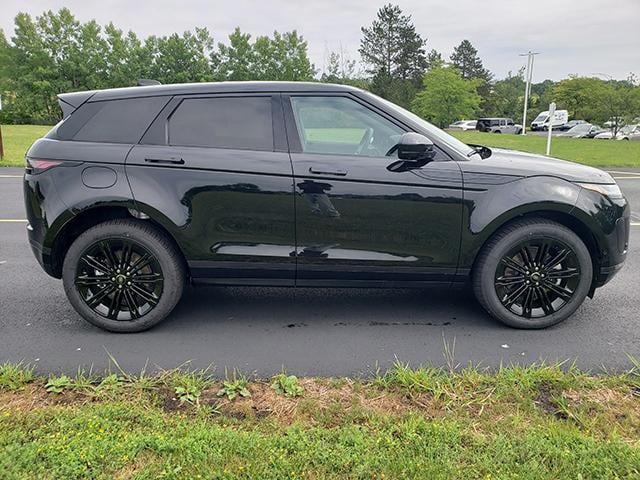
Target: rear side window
(115,121)
(243,123)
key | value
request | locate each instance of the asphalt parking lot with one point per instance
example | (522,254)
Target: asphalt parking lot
(329,332)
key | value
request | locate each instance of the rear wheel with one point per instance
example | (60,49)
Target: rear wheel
(123,275)
(533,274)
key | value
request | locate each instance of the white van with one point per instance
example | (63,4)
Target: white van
(560,117)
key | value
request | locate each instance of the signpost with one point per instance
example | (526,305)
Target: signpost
(552,111)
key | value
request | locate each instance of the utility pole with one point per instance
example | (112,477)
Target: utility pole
(527,86)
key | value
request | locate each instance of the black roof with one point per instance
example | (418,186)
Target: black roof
(203,88)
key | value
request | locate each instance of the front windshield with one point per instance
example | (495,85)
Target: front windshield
(433,132)
(541,118)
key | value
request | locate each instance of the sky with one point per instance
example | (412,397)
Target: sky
(583,37)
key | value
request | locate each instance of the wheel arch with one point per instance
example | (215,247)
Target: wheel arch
(92,216)
(565,219)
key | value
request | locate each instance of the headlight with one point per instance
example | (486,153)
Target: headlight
(611,190)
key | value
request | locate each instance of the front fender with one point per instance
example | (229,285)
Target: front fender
(486,208)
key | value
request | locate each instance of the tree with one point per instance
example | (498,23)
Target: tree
(506,97)
(235,61)
(465,58)
(600,101)
(446,97)
(434,59)
(394,54)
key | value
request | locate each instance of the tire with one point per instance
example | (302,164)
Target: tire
(497,131)
(155,275)
(494,287)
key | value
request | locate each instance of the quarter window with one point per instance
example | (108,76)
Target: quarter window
(229,122)
(339,125)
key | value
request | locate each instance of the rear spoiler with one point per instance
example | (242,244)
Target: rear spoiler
(70,101)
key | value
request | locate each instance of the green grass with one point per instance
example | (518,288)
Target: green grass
(17,139)
(597,153)
(538,422)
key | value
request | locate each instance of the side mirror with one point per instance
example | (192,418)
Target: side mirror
(413,147)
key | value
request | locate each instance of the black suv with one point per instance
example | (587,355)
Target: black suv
(141,190)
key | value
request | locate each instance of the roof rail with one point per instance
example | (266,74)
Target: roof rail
(145,82)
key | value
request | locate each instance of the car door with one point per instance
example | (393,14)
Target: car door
(216,172)
(360,220)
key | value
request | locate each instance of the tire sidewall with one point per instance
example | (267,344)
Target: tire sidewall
(510,241)
(172,283)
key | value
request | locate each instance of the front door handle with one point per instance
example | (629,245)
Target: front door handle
(170,160)
(318,171)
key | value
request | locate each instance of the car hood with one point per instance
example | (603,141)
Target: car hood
(521,164)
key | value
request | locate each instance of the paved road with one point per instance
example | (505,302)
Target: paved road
(313,332)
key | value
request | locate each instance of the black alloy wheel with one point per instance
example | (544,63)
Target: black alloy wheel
(124,275)
(533,273)
(537,278)
(119,279)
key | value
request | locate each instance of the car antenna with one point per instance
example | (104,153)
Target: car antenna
(145,82)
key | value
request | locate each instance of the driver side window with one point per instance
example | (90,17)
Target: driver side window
(341,126)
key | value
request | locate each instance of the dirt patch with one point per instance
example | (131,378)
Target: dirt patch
(169,401)
(546,400)
(319,396)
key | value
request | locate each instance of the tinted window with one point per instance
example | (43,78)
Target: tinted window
(339,125)
(117,121)
(231,122)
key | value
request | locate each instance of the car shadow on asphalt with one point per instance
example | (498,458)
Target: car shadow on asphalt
(272,307)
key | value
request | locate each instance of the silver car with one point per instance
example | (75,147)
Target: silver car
(498,125)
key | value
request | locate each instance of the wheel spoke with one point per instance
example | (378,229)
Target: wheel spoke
(513,265)
(565,273)
(541,253)
(88,281)
(560,256)
(546,304)
(125,258)
(561,292)
(140,263)
(145,295)
(116,304)
(108,255)
(147,278)
(527,303)
(525,254)
(95,300)
(95,264)
(513,296)
(507,281)
(131,303)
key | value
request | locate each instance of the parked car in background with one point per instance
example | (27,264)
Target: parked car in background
(498,125)
(570,124)
(542,121)
(630,132)
(583,130)
(606,135)
(463,125)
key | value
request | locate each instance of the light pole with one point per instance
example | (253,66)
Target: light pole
(527,86)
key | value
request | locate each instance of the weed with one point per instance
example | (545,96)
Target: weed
(235,385)
(287,385)
(15,376)
(58,384)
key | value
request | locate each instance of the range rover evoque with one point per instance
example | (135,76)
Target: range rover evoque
(140,191)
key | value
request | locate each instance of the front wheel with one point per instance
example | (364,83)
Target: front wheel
(123,275)
(532,274)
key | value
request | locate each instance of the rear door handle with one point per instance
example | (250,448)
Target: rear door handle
(170,160)
(318,171)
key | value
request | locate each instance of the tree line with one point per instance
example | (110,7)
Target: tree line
(54,52)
